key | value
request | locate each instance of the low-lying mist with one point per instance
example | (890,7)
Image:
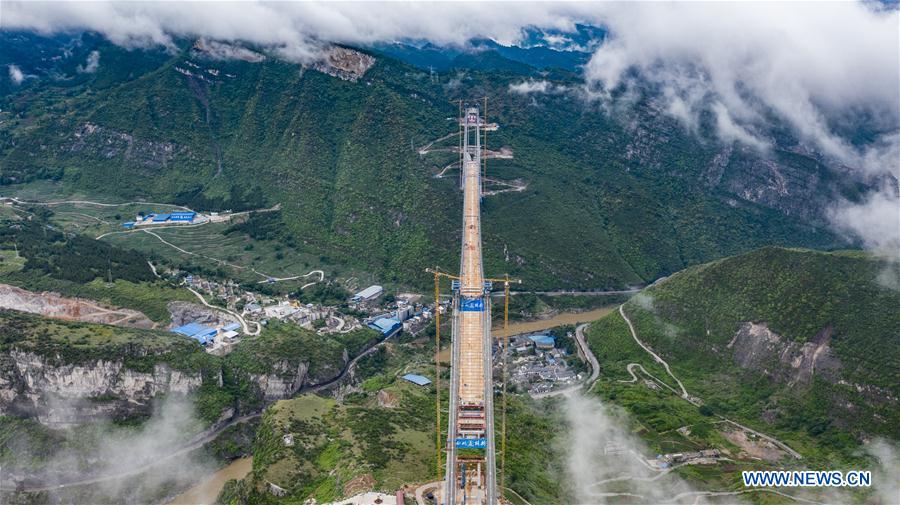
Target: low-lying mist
(606,462)
(114,463)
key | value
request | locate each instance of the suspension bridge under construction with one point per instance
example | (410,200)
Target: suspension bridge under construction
(470,471)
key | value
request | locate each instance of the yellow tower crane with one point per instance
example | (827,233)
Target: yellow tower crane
(506,280)
(437,361)
(505,355)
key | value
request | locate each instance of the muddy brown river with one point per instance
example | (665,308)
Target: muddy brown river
(560,319)
(205,493)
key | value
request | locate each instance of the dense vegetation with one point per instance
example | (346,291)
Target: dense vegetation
(690,319)
(79,266)
(336,444)
(806,297)
(286,345)
(237,200)
(75,258)
(384,434)
(66,342)
(636,195)
(280,349)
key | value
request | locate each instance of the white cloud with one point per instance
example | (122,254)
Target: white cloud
(297,29)
(826,70)
(605,460)
(812,65)
(876,221)
(16,75)
(92,63)
(536,87)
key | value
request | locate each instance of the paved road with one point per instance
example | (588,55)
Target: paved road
(423,489)
(267,277)
(98,204)
(586,353)
(196,443)
(293,277)
(233,313)
(562,292)
(684,394)
(347,368)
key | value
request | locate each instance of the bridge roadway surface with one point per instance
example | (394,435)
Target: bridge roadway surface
(471,363)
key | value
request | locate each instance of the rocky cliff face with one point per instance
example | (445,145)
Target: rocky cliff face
(758,348)
(62,395)
(344,63)
(75,309)
(283,382)
(102,142)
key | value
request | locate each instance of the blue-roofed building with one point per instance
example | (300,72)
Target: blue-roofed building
(417,379)
(232,327)
(543,341)
(186,216)
(386,325)
(198,332)
(128,225)
(161,218)
(189,329)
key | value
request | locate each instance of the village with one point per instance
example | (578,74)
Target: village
(239,312)
(540,366)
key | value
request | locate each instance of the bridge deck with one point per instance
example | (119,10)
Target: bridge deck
(471,366)
(471,384)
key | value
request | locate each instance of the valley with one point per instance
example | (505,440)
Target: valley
(550,265)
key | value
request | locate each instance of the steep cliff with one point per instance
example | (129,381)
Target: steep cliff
(61,395)
(64,373)
(284,380)
(76,309)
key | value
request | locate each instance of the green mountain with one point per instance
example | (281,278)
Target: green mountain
(798,344)
(633,193)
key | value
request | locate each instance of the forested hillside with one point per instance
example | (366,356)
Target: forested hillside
(631,192)
(797,342)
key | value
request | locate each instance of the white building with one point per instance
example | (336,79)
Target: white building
(281,311)
(370,293)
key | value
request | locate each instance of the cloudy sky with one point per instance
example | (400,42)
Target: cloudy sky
(818,67)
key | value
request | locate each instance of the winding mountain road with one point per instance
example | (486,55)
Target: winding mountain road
(240,318)
(684,393)
(195,443)
(687,397)
(98,204)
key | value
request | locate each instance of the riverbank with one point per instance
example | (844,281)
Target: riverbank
(560,319)
(208,490)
